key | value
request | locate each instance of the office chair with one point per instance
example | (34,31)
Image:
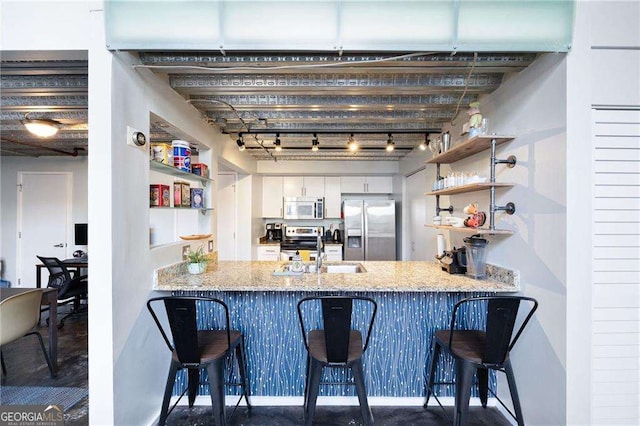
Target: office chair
(70,288)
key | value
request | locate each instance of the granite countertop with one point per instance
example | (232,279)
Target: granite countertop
(380,277)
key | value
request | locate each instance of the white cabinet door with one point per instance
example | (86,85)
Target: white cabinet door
(352,184)
(292,186)
(379,185)
(271,252)
(272,196)
(332,197)
(314,186)
(334,253)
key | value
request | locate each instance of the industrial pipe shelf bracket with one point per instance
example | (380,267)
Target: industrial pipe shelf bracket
(509,208)
(510,161)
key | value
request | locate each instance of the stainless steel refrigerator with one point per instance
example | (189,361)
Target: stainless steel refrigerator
(369,229)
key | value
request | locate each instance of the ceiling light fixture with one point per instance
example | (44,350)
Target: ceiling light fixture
(423,145)
(390,144)
(41,127)
(240,142)
(315,142)
(351,144)
(278,143)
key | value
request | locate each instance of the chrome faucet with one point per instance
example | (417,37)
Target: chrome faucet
(319,251)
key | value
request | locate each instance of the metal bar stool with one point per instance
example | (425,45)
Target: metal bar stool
(481,350)
(196,349)
(335,346)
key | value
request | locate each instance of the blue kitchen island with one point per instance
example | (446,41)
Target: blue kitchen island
(414,299)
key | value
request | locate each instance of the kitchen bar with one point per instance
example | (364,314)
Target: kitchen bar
(414,299)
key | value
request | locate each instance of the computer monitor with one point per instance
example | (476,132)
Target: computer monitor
(81,234)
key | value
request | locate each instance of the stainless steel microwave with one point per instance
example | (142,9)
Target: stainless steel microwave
(303,208)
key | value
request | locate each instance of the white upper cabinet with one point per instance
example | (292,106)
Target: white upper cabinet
(314,186)
(366,185)
(379,184)
(332,197)
(272,187)
(303,186)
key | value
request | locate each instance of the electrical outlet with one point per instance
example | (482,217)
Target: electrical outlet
(210,246)
(185,252)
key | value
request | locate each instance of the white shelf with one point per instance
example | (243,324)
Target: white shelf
(172,171)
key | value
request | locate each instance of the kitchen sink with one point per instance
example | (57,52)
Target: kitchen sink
(343,268)
(331,268)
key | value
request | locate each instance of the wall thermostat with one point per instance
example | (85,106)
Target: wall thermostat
(139,138)
(136,138)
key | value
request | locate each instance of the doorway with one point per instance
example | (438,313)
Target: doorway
(227,243)
(43,220)
(417,214)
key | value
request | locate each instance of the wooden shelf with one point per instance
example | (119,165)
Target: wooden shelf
(485,231)
(468,148)
(472,187)
(172,171)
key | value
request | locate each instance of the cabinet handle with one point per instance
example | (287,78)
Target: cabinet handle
(281,212)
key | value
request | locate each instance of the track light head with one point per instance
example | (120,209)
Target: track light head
(240,143)
(278,144)
(390,143)
(351,144)
(423,144)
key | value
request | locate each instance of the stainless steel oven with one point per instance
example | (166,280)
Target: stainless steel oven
(303,208)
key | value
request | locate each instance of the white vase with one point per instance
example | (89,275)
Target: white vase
(196,268)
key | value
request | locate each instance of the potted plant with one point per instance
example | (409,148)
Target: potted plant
(197,261)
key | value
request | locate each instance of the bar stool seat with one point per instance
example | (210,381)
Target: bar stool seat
(318,347)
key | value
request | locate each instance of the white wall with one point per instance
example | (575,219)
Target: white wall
(530,105)
(10,166)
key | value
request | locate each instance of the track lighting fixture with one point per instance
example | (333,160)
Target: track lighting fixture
(278,144)
(351,144)
(423,145)
(315,142)
(41,127)
(390,144)
(240,142)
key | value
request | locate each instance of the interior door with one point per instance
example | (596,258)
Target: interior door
(416,202)
(227,216)
(44,221)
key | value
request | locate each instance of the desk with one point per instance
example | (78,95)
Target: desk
(49,297)
(75,266)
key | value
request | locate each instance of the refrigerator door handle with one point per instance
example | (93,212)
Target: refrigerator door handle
(365,231)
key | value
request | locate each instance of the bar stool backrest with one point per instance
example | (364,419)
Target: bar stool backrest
(502,312)
(501,317)
(182,317)
(336,318)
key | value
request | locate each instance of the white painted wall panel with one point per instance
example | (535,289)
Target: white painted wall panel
(615,23)
(614,77)
(615,324)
